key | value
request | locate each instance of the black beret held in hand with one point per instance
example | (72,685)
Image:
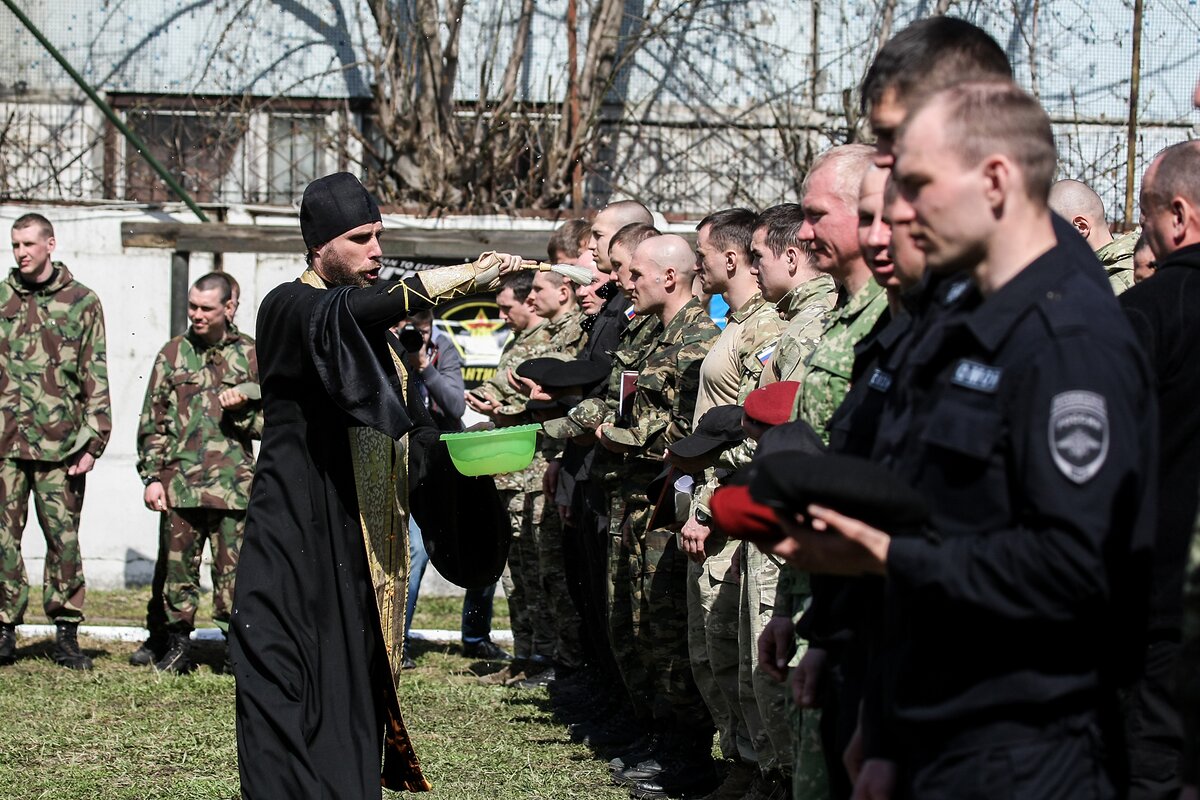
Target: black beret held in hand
(789,481)
(720,427)
(576,372)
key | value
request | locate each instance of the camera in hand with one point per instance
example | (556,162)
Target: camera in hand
(411,339)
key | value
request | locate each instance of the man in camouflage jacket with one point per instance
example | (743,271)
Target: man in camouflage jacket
(521,491)
(662,409)
(196,460)
(54,401)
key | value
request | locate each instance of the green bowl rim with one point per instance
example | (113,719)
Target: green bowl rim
(445,437)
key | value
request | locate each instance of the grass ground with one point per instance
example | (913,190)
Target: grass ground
(129,733)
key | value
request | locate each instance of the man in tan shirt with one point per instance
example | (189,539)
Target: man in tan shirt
(729,373)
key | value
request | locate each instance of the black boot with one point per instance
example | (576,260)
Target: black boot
(8,643)
(66,647)
(177,659)
(150,650)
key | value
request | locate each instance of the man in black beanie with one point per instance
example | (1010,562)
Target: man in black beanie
(318,620)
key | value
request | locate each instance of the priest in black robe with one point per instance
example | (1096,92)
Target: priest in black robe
(318,616)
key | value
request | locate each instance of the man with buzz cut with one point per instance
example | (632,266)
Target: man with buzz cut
(56,423)
(661,270)
(318,620)
(611,219)
(1078,204)
(196,460)
(731,370)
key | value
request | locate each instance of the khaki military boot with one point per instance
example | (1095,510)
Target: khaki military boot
(66,647)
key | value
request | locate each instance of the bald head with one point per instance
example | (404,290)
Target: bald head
(670,252)
(662,271)
(614,217)
(627,212)
(1078,204)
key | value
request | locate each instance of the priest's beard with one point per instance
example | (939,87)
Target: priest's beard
(338,271)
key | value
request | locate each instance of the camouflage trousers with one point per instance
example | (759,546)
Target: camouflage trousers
(58,501)
(663,635)
(810,776)
(527,609)
(762,699)
(714,597)
(562,617)
(624,604)
(185,531)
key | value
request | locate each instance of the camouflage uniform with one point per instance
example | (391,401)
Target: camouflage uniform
(824,379)
(806,310)
(562,618)
(54,400)
(714,588)
(623,551)
(1117,258)
(204,456)
(663,408)
(519,490)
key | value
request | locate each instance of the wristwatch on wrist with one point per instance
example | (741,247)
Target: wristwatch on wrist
(150,480)
(702,516)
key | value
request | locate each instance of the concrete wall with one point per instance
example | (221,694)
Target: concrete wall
(118,535)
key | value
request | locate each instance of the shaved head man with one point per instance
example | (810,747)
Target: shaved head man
(661,273)
(1079,205)
(614,217)
(661,410)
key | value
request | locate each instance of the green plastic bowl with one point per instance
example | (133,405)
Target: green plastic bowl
(492,452)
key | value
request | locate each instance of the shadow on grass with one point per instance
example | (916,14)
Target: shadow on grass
(44,648)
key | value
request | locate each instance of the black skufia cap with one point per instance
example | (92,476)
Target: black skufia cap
(720,427)
(789,481)
(333,205)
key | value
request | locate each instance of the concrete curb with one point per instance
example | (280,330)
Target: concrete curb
(114,633)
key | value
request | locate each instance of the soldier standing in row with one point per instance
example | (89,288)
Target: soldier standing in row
(196,459)
(520,490)
(54,396)
(663,405)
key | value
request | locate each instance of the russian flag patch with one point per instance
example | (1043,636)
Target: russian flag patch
(764,355)
(630,313)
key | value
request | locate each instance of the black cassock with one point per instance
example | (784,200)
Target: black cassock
(316,702)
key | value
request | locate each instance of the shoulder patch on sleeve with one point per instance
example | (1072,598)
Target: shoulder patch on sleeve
(1078,434)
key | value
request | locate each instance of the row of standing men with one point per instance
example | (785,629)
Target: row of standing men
(935,304)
